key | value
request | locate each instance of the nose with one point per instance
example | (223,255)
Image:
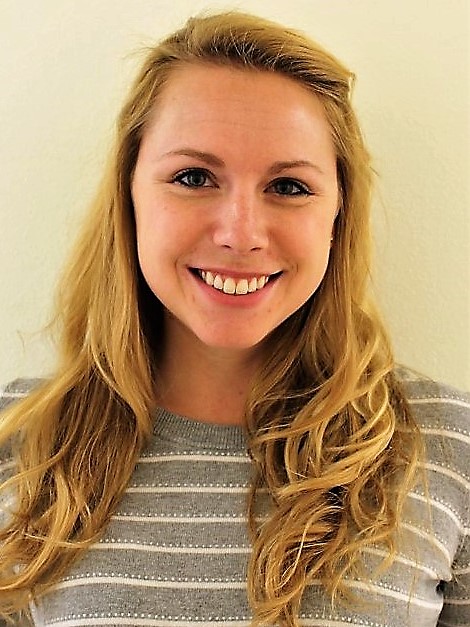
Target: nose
(241,223)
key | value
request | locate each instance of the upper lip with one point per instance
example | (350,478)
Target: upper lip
(235,274)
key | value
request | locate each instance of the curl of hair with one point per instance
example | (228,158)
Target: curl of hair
(331,435)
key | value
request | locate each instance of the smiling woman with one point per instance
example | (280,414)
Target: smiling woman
(227,439)
(227,178)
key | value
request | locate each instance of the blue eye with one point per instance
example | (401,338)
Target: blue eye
(193,177)
(288,187)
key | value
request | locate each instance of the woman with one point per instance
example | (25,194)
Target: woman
(226,440)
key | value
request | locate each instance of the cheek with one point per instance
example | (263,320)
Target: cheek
(164,238)
(309,240)
(313,255)
(164,220)
(154,227)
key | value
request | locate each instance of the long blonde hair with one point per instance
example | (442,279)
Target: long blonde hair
(330,433)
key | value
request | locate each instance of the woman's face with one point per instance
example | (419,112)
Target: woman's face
(235,195)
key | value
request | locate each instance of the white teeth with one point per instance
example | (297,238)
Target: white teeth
(230,285)
(253,285)
(218,282)
(242,287)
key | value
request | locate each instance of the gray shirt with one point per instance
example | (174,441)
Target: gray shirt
(175,552)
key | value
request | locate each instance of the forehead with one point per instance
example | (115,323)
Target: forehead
(193,75)
(191,85)
(222,105)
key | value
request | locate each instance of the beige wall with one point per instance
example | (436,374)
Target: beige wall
(64,65)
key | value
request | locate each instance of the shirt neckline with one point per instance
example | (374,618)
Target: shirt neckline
(198,434)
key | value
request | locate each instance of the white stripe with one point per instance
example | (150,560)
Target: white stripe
(372,587)
(462,571)
(431,539)
(14,395)
(156,459)
(187,490)
(457,601)
(183,550)
(181,519)
(431,605)
(441,400)
(235,585)
(456,435)
(208,550)
(150,622)
(403,560)
(447,472)
(320,622)
(7,466)
(150,583)
(438,505)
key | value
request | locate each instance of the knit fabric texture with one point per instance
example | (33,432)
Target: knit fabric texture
(175,553)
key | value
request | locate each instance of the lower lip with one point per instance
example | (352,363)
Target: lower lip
(233,300)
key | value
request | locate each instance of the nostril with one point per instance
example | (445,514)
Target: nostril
(241,233)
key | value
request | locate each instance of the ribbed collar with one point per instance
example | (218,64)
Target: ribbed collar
(194,434)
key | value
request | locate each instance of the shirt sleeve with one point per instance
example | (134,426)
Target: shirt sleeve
(443,414)
(456,609)
(9,394)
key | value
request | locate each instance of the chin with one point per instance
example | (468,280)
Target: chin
(232,341)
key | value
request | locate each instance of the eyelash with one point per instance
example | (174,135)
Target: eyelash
(300,188)
(178,178)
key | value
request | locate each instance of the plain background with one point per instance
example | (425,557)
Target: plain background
(64,69)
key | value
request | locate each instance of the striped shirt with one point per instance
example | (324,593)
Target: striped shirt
(176,550)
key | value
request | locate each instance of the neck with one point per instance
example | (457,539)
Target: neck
(205,383)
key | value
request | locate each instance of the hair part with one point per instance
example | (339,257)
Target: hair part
(331,435)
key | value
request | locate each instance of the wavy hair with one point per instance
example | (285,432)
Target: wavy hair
(330,433)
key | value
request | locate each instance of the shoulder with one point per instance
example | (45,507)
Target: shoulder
(442,414)
(437,406)
(16,390)
(11,393)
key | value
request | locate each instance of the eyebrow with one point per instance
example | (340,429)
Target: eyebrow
(279,166)
(206,157)
(213,160)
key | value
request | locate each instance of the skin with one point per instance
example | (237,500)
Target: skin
(236,174)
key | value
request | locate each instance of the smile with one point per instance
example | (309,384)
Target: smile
(230,285)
